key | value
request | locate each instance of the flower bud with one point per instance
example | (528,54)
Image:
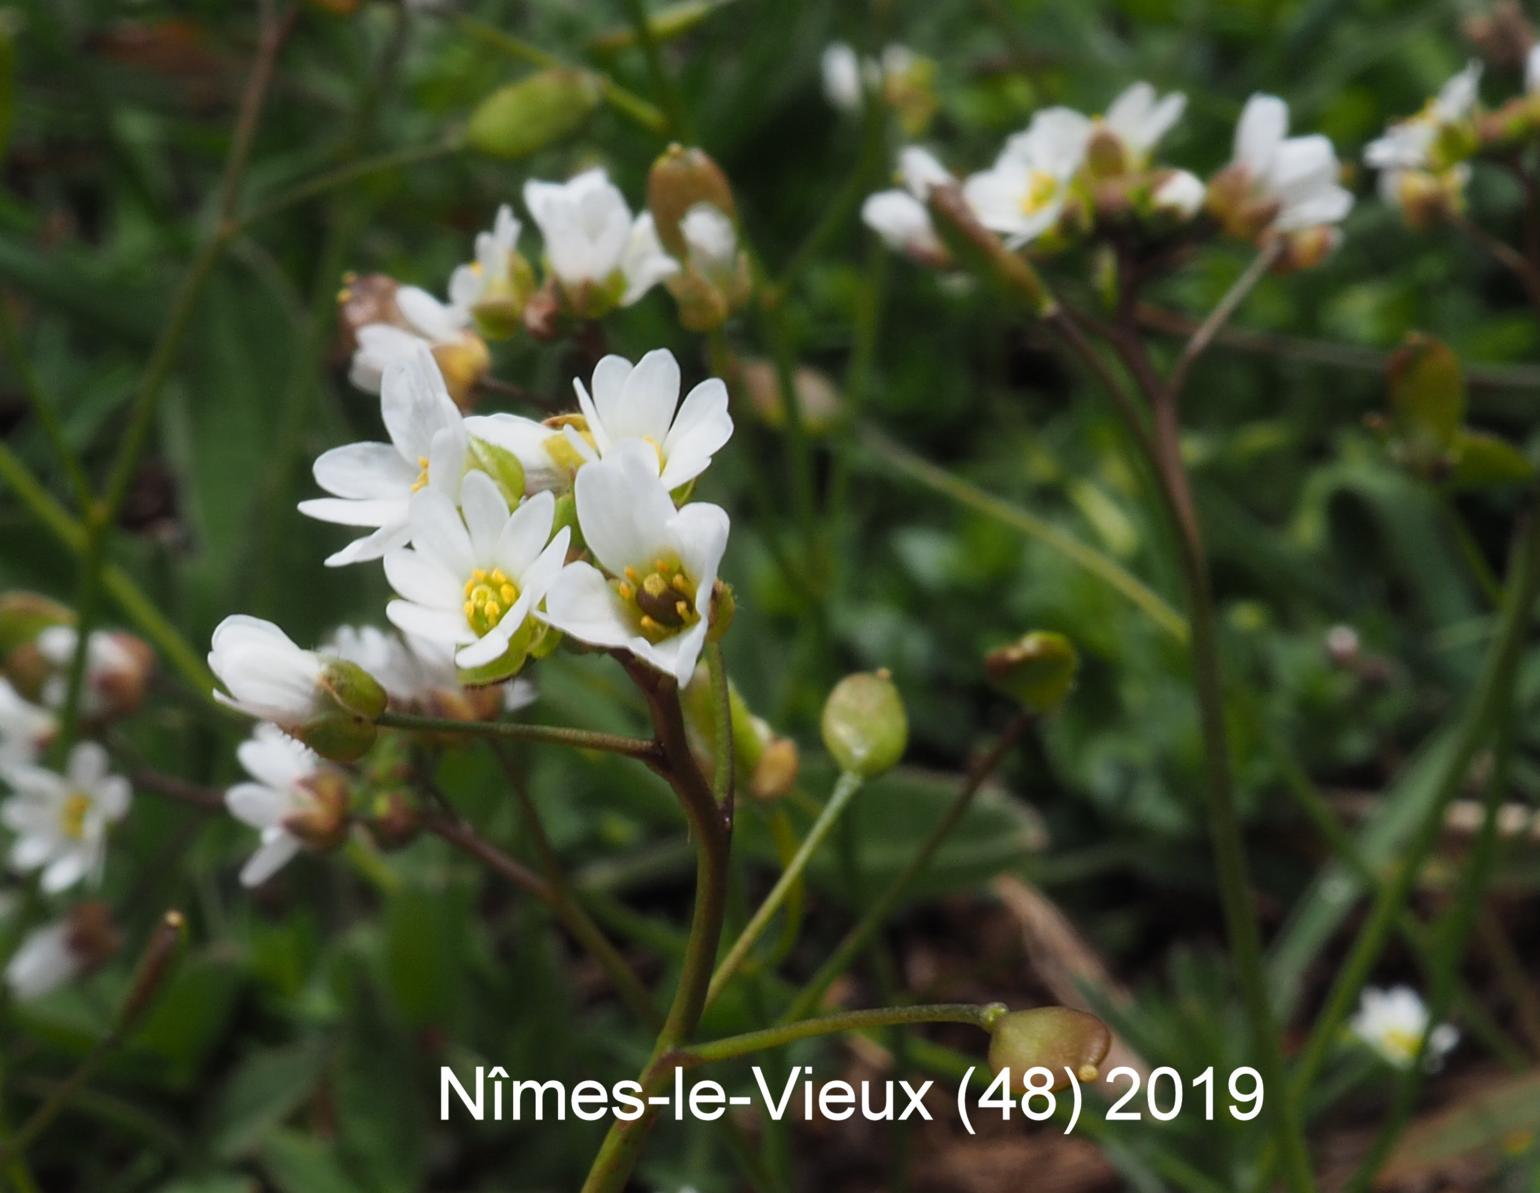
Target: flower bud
(1305,248)
(1233,203)
(818,399)
(91,934)
(1426,199)
(1058,1039)
(324,825)
(25,615)
(363,301)
(345,731)
(865,727)
(155,964)
(394,821)
(776,772)
(1105,153)
(538,110)
(702,305)
(1177,194)
(724,606)
(679,179)
(502,466)
(463,361)
(353,689)
(543,313)
(1038,670)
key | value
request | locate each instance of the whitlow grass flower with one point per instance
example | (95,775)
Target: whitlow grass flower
(118,666)
(491,288)
(1023,194)
(1139,117)
(293,800)
(372,483)
(1276,182)
(61,820)
(1393,1022)
(653,596)
(473,584)
(1422,160)
(900,216)
(628,404)
(24,727)
(844,74)
(422,321)
(599,254)
(57,953)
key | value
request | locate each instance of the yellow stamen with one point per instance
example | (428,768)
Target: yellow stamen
(1042,187)
(72,815)
(488,597)
(422,475)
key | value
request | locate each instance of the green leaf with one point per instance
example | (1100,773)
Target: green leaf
(1483,461)
(264,1091)
(297,1163)
(1427,399)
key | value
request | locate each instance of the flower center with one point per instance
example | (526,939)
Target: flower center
(422,475)
(1040,191)
(664,599)
(488,597)
(1401,1043)
(73,813)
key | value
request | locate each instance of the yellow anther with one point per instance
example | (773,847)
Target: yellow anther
(682,584)
(655,585)
(650,625)
(470,606)
(491,610)
(682,609)
(422,475)
(1041,189)
(632,576)
(344,295)
(625,590)
(72,816)
(509,593)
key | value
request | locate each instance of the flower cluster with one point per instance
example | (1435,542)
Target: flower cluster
(1425,160)
(1067,177)
(500,535)
(597,255)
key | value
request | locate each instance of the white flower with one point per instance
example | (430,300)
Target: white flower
(1180,193)
(106,658)
(1140,118)
(1532,69)
(1406,149)
(281,769)
(1456,99)
(1023,194)
(591,239)
(372,483)
(900,217)
(43,962)
(711,243)
(1393,1021)
(266,675)
(661,566)
(628,404)
(489,273)
(425,321)
(843,75)
(473,584)
(1298,174)
(61,821)
(24,727)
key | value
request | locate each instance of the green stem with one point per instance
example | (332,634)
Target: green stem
(1453,933)
(14,1148)
(86,602)
(732,1047)
(579,739)
(569,911)
(877,912)
(663,86)
(712,829)
(1493,695)
(844,790)
(1103,567)
(43,408)
(723,780)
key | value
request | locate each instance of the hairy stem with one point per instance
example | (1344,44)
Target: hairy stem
(579,739)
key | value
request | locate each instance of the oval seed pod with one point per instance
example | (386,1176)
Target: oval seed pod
(865,726)
(1058,1039)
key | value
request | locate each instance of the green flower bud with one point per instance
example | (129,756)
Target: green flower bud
(354,689)
(537,111)
(502,466)
(865,727)
(679,179)
(325,824)
(1038,670)
(724,606)
(1059,1039)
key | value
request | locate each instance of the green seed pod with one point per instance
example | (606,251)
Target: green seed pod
(534,112)
(155,964)
(865,727)
(1059,1039)
(1037,670)
(354,689)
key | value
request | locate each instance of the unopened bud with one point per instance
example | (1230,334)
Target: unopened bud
(394,820)
(463,361)
(155,966)
(724,607)
(1426,199)
(1305,248)
(701,303)
(865,727)
(365,300)
(776,772)
(120,688)
(543,314)
(1178,194)
(324,824)
(1068,1043)
(534,112)
(818,398)
(1233,203)
(1038,670)
(91,934)
(25,615)
(679,179)
(1105,153)
(502,466)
